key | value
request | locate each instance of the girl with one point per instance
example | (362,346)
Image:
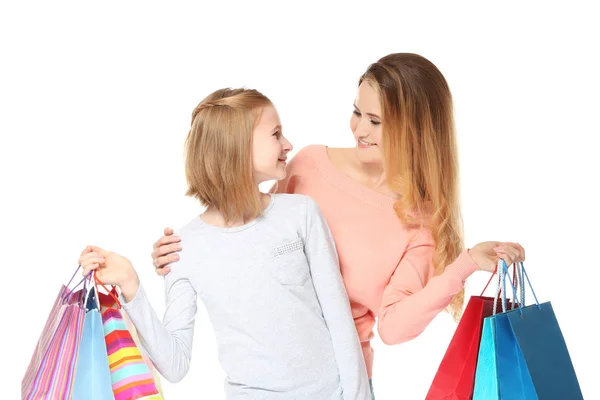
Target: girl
(392,204)
(265,267)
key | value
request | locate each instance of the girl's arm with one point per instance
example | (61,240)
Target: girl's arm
(167,342)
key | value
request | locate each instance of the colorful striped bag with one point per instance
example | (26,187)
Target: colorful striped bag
(52,367)
(136,339)
(108,301)
(131,378)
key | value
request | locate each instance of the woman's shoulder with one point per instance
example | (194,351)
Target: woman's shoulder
(310,152)
(312,148)
(321,150)
(320,155)
(306,160)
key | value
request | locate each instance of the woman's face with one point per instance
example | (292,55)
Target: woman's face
(366,124)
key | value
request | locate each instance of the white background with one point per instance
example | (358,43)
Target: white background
(95,103)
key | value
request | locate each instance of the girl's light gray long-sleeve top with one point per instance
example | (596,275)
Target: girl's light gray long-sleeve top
(274,294)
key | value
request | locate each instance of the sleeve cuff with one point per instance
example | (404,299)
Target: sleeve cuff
(140,296)
(464,266)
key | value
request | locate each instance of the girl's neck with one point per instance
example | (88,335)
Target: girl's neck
(212,216)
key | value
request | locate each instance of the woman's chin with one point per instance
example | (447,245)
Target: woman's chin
(370,155)
(280,175)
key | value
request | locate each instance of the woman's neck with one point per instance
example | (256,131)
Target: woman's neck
(372,175)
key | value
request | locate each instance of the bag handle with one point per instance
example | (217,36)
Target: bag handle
(523,273)
(489,281)
(71,291)
(500,296)
(97,281)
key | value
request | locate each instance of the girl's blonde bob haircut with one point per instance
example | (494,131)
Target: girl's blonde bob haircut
(218,153)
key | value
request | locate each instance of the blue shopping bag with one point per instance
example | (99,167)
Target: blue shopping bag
(486,374)
(514,380)
(92,374)
(533,361)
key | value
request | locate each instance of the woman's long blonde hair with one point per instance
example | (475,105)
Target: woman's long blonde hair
(218,153)
(420,152)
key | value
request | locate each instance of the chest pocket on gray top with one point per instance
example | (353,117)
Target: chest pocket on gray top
(289,264)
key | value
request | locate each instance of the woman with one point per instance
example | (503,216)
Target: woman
(392,204)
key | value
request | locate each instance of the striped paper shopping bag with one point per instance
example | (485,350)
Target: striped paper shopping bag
(131,378)
(52,367)
(136,339)
(110,301)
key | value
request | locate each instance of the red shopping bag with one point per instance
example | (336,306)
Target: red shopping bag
(455,377)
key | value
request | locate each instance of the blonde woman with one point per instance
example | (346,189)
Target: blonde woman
(392,204)
(277,301)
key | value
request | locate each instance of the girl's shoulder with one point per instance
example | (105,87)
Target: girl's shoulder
(296,206)
(287,200)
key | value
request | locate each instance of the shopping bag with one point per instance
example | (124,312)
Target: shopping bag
(486,377)
(533,359)
(51,369)
(109,301)
(486,382)
(92,374)
(455,377)
(131,378)
(146,358)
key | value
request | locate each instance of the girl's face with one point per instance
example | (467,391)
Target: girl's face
(366,124)
(270,147)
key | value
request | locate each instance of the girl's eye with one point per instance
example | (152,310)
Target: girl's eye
(375,122)
(356,113)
